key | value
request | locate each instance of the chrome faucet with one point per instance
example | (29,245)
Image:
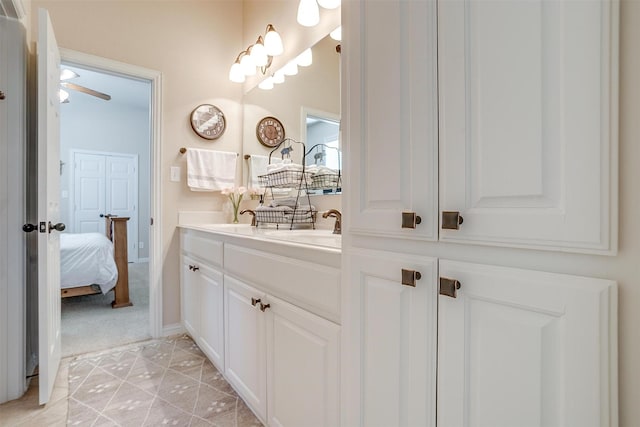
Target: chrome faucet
(254,223)
(337,228)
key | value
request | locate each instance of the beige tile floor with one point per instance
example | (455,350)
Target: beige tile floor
(157,382)
(26,411)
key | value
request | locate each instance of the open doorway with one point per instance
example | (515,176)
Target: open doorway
(105,169)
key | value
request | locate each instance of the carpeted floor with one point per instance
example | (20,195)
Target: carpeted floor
(159,382)
(90,324)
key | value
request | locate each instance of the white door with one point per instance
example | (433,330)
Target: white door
(106,184)
(211,301)
(245,353)
(49,341)
(303,375)
(527,135)
(391,340)
(391,106)
(89,193)
(526,348)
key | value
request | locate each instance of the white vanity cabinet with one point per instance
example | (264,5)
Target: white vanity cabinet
(201,294)
(281,322)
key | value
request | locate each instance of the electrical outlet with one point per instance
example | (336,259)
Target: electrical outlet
(175,174)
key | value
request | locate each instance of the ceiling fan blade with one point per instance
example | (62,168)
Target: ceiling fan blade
(86,90)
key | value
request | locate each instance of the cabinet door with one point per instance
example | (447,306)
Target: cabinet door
(526,348)
(302,367)
(390,116)
(190,296)
(211,339)
(245,354)
(391,341)
(528,122)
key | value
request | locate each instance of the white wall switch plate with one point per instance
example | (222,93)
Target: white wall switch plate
(175,174)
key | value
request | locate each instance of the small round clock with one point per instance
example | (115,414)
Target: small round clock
(208,121)
(270,131)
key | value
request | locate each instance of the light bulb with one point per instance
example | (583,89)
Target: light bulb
(291,69)
(329,4)
(336,34)
(248,66)
(259,53)
(266,84)
(308,13)
(273,42)
(278,77)
(66,74)
(305,58)
(235,73)
(63,95)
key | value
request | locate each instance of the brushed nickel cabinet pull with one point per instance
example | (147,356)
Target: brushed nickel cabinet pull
(409,277)
(410,220)
(449,287)
(255,301)
(451,220)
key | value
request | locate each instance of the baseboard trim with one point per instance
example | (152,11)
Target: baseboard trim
(175,329)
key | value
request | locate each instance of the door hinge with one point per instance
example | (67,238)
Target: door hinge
(449,287)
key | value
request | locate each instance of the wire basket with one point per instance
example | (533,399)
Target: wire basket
(325,181)
(285,179)
(286,216)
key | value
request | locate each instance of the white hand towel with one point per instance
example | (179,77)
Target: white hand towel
(209,170)
(258,166)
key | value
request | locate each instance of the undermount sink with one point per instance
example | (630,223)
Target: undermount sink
(311,237)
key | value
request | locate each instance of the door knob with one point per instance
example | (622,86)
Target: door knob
(101,215)
(28,228)
(58,227)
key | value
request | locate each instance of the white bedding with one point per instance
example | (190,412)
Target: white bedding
(87,259)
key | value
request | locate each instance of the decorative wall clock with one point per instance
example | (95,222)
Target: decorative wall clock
(208,121)
(270,131)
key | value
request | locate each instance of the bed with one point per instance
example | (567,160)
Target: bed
(92,263)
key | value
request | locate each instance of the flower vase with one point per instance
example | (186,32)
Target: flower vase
(234,219)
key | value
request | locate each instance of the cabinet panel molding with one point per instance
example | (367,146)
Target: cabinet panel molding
(528,123)
(521,347)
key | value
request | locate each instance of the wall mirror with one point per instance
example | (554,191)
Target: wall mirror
(308,106)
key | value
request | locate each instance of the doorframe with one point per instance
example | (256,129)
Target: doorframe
(72,191)
(101,64)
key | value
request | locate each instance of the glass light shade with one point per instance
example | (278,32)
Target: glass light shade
(63,95)
(273,42)
(278,77)
(266,84)
(305,58)
(66,74)
(336,34)
(329,4)
(235,73)
(259,54)
(248,66)
(308,13)
(291,69)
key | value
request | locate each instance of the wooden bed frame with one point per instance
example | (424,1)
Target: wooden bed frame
(116,231)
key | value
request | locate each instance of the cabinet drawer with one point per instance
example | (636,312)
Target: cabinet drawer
(202,246)
(305,284)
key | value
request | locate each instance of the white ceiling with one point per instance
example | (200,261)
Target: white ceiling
(124,91)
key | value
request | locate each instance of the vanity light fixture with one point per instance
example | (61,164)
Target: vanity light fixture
(291,69)
(257,56)
(305,58)
(329,4)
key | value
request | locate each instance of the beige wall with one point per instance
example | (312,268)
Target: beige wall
(193,44)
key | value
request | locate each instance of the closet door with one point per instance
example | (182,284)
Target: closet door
(526,348)
(89,193)
(528,123)
(391,340)
(390,113)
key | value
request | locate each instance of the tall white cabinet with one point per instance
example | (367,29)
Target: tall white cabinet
(471,124)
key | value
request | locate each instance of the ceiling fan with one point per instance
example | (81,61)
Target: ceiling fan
(67,74)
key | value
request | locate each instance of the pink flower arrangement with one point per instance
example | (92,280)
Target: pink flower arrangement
(235,195)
